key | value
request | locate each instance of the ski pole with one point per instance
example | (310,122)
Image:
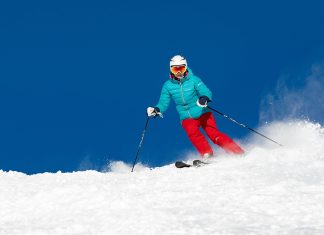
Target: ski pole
(140,144)
(242,125)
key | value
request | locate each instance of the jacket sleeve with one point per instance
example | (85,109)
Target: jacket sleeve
(202,89)
(165,99)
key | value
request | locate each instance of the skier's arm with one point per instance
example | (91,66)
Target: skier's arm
(202,89)
(165,99)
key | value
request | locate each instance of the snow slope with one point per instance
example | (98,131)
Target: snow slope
(272,190)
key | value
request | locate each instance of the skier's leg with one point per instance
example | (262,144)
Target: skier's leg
(191,126)
(208,123)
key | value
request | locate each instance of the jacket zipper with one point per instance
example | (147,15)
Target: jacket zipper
(184,102)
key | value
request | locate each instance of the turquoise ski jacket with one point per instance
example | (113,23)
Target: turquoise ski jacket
(185,94)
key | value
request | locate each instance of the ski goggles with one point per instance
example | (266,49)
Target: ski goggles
(178,68)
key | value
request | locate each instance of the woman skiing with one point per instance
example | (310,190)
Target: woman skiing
(191,96)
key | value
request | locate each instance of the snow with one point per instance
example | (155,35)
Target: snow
(271,190)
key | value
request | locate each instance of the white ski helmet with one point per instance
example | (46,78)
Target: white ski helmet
(178,60)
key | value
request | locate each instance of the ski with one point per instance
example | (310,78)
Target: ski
(195,163)
(181,164)
(198,163)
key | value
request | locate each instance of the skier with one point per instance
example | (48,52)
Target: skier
(191,96)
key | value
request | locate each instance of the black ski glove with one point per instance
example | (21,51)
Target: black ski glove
(202,101)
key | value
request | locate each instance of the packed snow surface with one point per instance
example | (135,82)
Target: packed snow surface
(271,190)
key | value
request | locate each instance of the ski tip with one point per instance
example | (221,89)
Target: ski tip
(198,163)
(180,164)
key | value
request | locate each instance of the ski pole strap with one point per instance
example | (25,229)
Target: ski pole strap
(242,125)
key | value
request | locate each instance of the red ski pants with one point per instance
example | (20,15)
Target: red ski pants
(208,124)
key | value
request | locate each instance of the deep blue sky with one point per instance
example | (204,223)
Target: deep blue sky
(76,76)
